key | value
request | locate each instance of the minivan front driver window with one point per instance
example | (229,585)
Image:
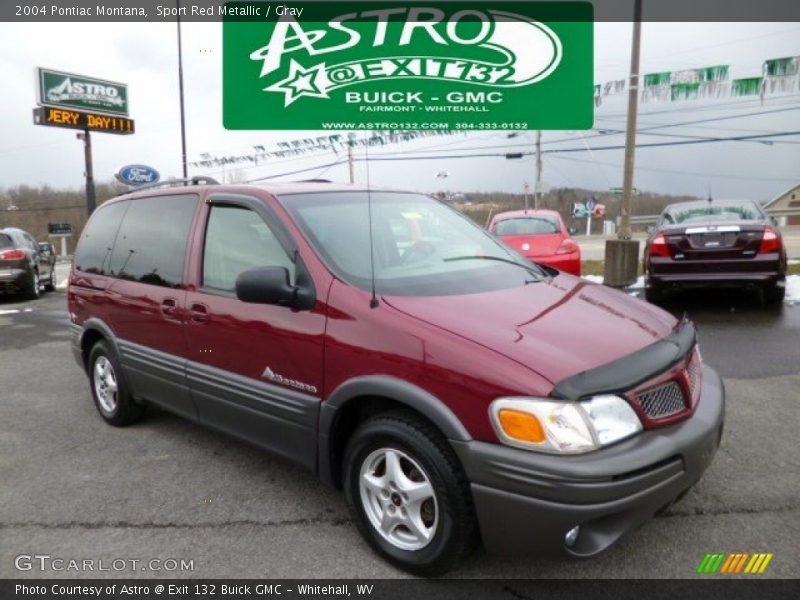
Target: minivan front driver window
(237,239)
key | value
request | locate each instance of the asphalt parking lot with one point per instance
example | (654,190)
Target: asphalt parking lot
(73,487)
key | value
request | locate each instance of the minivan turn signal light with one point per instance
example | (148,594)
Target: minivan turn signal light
(522,426)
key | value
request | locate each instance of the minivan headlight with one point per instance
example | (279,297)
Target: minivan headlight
(563,427)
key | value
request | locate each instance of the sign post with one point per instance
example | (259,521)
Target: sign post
(85,103)
(91,202)
(589,204)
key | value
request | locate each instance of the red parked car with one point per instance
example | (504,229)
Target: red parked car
(540,236)
(721,244)
(385,342)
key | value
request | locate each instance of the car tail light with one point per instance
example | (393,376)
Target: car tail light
(658,247)
(12,255)
(567,247)
(770,242)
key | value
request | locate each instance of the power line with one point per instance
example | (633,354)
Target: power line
(503,155)
(643,130)
(678,172)
(595,149)
(315,168)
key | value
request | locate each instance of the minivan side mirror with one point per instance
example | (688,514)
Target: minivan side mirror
(270,285)
(572,230)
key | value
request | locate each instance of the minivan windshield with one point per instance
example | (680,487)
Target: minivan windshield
(421,246)
(698,212)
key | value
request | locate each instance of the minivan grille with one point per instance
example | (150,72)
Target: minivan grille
(662,401)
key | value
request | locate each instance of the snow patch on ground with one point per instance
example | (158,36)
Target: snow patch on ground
(15,311)
(638,285)
(793,289)
(594,278)
(62,285)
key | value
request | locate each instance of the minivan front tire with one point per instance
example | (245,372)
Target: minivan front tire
(408,493)
(110,393)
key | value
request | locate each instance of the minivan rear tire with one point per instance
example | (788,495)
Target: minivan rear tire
(428,458)
(104,368)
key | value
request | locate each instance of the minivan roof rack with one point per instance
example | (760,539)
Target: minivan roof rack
(196,180)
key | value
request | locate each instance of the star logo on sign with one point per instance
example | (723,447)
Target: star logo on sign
(301,82)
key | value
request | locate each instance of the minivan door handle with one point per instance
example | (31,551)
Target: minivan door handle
(198,312)
(169,307)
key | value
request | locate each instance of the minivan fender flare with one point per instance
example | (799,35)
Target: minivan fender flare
(95,324)
(391,388)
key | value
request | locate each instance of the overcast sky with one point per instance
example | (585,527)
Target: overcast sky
(144,55)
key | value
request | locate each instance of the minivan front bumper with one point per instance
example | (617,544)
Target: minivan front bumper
(526,502)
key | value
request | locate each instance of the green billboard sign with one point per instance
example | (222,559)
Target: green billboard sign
(408,65)
(67,90)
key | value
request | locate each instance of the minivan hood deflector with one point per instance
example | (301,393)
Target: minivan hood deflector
(632,370)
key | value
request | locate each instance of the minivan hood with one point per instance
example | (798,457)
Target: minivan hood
(557,328)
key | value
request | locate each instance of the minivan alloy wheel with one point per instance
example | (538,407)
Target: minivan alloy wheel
(398,498)
(105,384)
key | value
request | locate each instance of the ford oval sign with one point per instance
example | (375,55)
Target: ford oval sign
(138,175)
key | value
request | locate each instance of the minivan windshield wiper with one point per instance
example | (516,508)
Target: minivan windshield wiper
(529,268)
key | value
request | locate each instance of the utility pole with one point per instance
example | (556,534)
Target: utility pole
(538,188)
(622,254)
(180,92)
(91,202)
(630,132)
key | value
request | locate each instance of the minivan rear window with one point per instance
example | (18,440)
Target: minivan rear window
(151,243)
(6,241)
(97,241)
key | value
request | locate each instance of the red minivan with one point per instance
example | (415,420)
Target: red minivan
(385,342)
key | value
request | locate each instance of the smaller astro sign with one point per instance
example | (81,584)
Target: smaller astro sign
(67,90)
(73,119)
(137,175)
